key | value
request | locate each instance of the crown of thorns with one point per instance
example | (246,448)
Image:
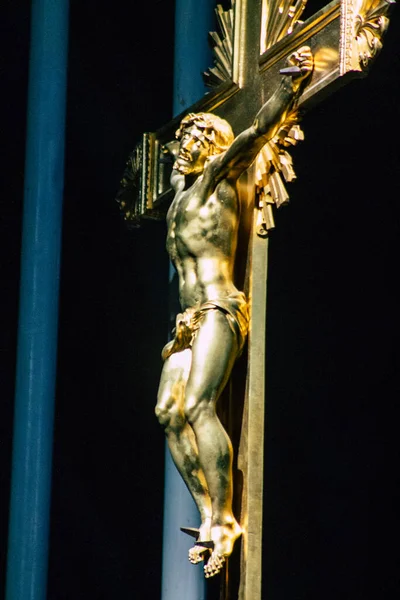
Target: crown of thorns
(215,130)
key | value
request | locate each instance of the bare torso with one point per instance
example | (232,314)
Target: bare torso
(202,237)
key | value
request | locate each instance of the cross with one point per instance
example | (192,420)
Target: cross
(344,37)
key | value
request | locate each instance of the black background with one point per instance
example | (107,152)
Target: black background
(331,481)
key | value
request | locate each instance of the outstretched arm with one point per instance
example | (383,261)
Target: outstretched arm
(267,122)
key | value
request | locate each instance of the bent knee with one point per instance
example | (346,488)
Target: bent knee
(167,412)
(196,408)
(164,413)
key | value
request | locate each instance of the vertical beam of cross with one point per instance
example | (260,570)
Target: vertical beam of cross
(180,579)
(38,310)
(246,41)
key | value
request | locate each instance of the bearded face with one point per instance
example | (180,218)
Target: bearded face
(194,149)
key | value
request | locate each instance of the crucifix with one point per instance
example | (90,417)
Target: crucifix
(193,169)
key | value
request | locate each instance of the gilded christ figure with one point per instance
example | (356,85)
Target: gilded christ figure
(210,332)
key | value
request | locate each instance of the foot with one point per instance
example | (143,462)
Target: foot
(224,537)
(196,553)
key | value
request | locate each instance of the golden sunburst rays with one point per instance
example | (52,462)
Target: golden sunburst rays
(279,18)
(274,166)
(222,47)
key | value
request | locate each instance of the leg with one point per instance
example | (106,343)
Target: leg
(213,354)
(181,439)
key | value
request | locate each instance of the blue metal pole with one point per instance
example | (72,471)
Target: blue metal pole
(180,579)
(38,310)
(193,21)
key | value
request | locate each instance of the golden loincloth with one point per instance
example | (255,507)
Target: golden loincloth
(234,307)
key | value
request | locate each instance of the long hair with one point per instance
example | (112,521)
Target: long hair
(216,131)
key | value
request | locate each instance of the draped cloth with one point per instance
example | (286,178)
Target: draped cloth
(234,307)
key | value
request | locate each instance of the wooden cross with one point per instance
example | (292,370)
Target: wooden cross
(255,40)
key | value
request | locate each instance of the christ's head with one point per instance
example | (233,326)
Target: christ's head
(201,135)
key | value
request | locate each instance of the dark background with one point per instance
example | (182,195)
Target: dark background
(331,479)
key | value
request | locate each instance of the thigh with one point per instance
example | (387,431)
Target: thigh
(214,352)
(173,379)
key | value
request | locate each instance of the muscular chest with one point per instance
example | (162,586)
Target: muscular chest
(192,208)
(196,218)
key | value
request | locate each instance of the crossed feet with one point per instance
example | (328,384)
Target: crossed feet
(223,538)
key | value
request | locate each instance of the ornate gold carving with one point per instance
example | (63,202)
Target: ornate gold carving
(363,25)
(143,180)
(346,35)
(371,24)
(130,192)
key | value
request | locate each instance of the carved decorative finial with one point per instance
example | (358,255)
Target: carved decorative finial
(364,23)
(371,24)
